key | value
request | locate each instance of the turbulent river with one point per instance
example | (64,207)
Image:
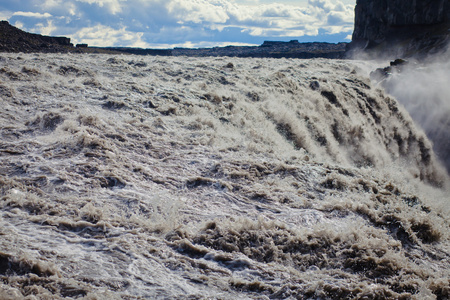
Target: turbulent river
(127,177)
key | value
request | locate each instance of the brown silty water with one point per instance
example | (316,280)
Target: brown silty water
(126,177)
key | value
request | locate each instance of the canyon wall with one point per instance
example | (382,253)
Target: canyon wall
(399,27)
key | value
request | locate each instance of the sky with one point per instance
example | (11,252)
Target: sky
(183,23)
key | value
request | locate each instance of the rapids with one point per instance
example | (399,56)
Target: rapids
(127,177)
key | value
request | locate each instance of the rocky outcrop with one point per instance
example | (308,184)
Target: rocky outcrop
(401,27)
(13,39)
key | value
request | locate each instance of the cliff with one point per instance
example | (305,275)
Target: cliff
(13,39)
(401,27)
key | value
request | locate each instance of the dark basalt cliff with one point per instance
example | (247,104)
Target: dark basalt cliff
(13,39)
(401,27)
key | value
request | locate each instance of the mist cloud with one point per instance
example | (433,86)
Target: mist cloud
(424,91)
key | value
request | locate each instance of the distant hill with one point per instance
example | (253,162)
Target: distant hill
(272,49)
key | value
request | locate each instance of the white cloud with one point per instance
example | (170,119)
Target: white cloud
(106,36)
(203,44)
(113,6)
(32,14)
(145,22)
(52,3)
(19,25)
(277,19)
(338,18)
(326,5)
(198,11)
(47,29)
(270,32)
(72,9)
(5,15)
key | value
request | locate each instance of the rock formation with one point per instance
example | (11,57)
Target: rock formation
(13,39)
(401,27)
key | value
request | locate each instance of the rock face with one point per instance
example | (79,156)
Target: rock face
(13,39)
(406,27)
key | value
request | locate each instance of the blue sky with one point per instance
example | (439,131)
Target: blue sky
(183,23)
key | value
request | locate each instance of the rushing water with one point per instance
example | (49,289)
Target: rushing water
(424,91)
(126,177)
